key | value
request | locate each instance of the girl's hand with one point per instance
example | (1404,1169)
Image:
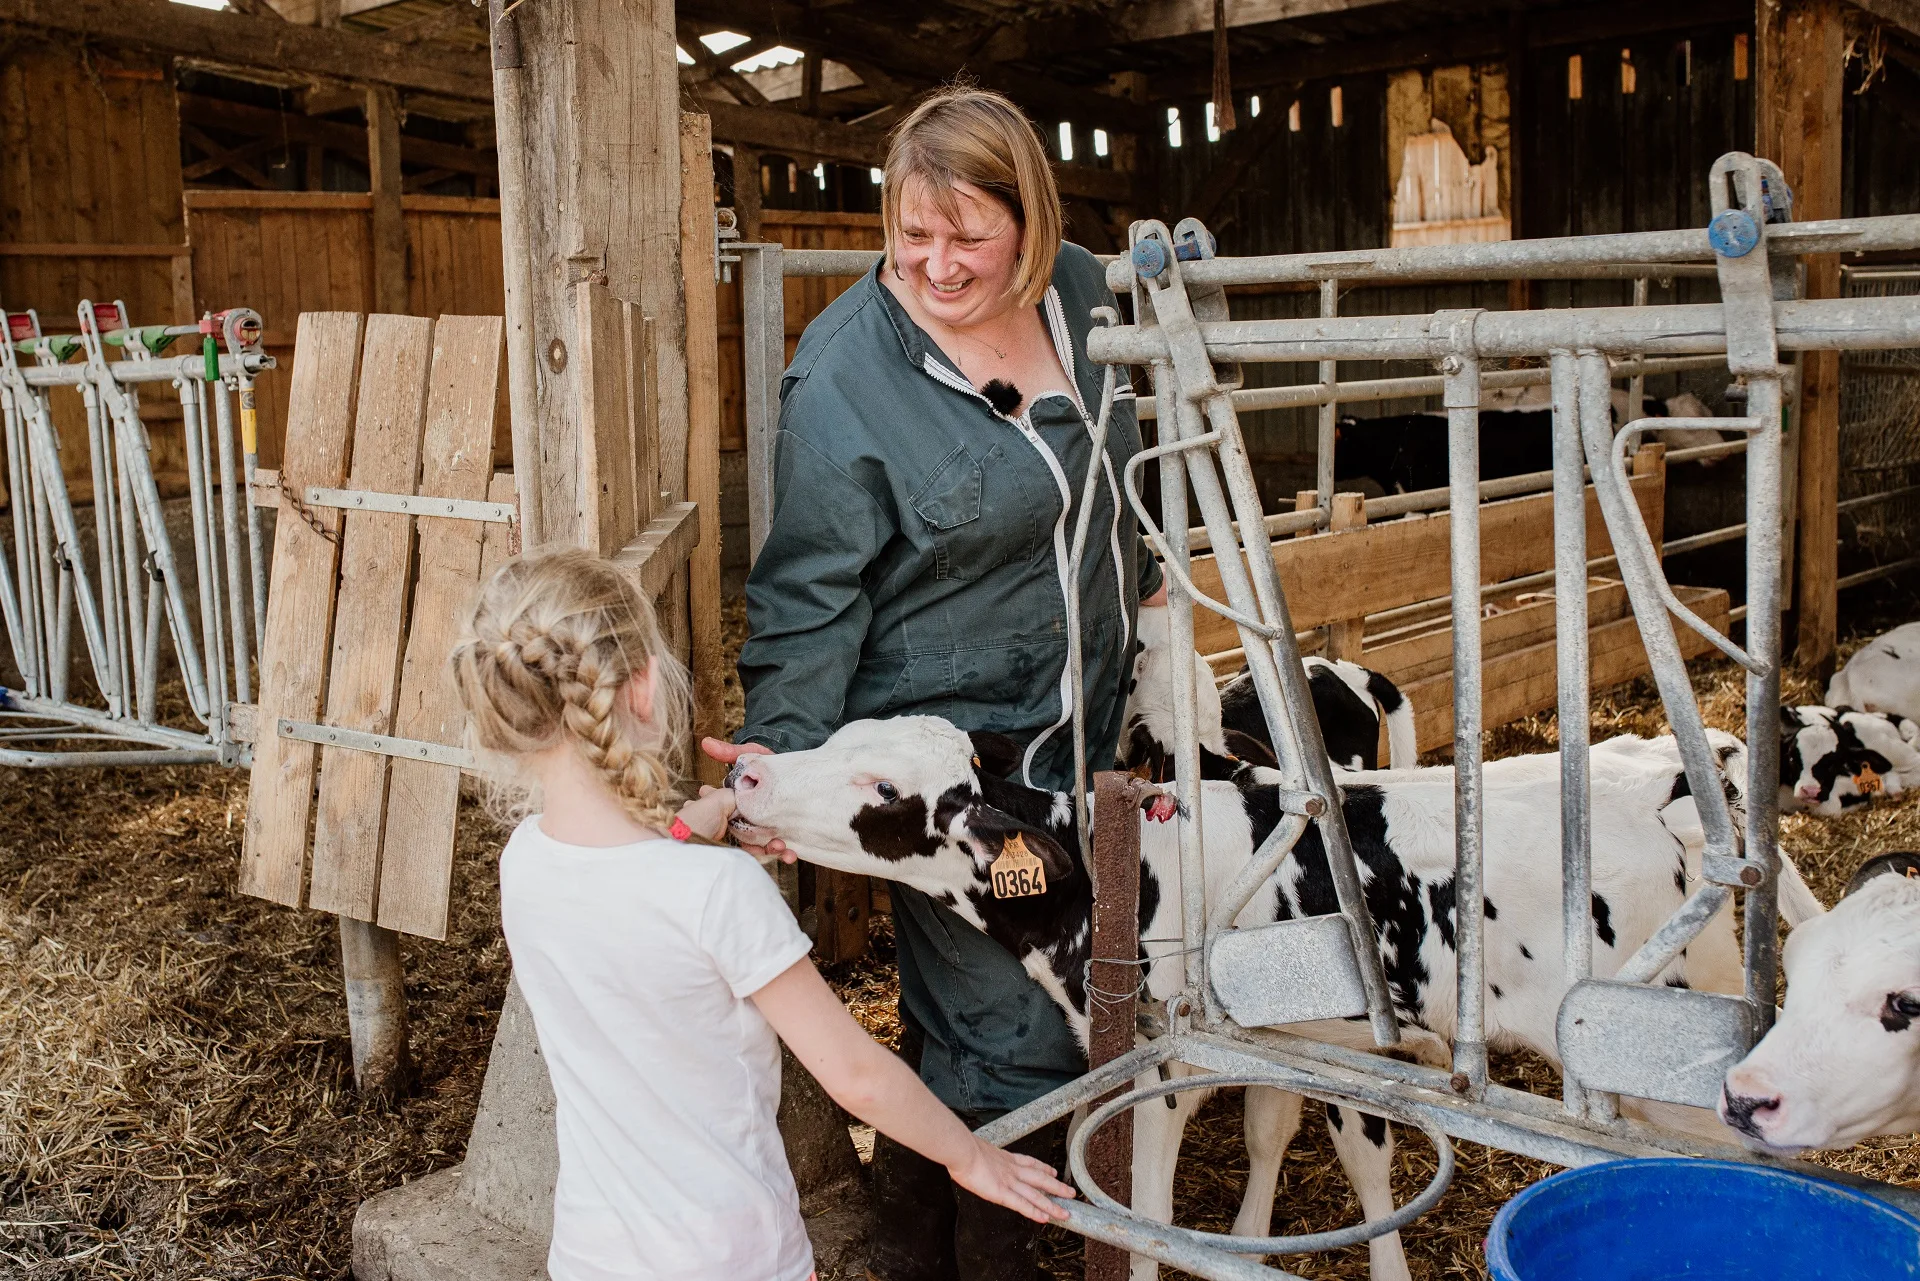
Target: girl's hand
(708,815)
(1021,1183)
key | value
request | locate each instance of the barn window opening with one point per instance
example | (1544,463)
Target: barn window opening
(820,174)
(1686,62)
(681,56)
(1213,126)
(1173,126)
(876,176)
(1066,140)
(1336,103)
(1293,116)
(721,41)
(1444,198)
(1253,105)
(1575,91)
(1627,77)
(1740,56)
(1099,142)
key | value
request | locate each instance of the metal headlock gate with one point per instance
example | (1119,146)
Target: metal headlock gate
(1616,1036)
(130,583)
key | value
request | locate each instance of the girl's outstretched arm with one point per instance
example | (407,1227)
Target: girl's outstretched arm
(872,1083)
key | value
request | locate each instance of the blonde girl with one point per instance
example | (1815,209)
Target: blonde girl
(659,971)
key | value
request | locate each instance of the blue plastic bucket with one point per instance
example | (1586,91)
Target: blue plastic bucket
(1673,1217)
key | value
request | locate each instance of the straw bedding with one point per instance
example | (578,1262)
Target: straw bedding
(176,1093)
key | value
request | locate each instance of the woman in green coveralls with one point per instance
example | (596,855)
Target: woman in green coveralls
(935,427)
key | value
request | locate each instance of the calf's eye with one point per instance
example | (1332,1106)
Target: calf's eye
(888,792)
(1905,1004)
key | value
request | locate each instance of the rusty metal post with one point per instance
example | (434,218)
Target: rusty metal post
(376,1007)
(1112,979)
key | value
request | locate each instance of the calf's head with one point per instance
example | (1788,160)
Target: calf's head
(912,799)
(1843,1061)
(1832,759)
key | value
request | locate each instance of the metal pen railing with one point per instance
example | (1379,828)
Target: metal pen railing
(129,586)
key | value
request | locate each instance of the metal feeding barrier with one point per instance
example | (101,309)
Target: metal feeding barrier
(1618,1036)
(129,585)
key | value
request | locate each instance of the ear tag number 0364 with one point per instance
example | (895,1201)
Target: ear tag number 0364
(1017,873)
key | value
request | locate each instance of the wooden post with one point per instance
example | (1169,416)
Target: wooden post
(376,1007)
(746,191)
(1113,978)
(590,193)
(703,434)
(1344,637)
(389,226)
(1305,500)
(1797,98)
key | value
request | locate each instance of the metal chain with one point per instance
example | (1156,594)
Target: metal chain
(305,512)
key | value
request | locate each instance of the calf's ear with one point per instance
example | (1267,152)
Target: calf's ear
(995,753)
(992,828)
(1896,863)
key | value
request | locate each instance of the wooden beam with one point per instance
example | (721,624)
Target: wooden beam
(283,126)
(719,67)
(1904,14)
(389,226)
(1798,99)
(593,89)
(707,660)
(1454,43)
(849,39)
(230,161)
(237,40)
(1153,20)
(792,134)
(229,158)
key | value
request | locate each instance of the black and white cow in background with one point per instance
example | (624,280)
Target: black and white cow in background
(1832,759)
(1842,1063)
(907,800)
(1350,702)
(1407,453)
(1882,676)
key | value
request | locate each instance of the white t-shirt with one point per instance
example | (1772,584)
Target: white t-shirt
(637,962)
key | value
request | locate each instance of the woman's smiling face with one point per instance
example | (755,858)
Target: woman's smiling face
(961,272)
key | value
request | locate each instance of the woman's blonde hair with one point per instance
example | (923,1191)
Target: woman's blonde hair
(963,134)
(547,657)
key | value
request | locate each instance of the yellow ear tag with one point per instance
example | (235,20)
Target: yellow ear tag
(1017,873)
(1868,781)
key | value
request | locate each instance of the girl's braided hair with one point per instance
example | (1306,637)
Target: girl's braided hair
(553,642)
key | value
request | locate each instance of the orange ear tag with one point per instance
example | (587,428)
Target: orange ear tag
(1017,873)
(1868,781)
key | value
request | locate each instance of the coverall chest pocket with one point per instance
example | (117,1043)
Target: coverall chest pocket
(979,513)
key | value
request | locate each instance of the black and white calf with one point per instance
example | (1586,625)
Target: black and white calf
(1882,676)
(1842,1062)
(1832,759)
(1349,701)
(907,800)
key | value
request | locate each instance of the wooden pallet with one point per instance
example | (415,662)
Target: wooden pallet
(359,624)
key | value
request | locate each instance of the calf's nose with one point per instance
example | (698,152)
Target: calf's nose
(1808,791)
(743,777)
(1744,1112)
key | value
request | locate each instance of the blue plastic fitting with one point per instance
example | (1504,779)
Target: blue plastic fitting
(1732,233)
(1149,259)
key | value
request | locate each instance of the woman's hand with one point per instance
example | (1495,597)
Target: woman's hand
(727,754)
(708,815)
(1023,1184)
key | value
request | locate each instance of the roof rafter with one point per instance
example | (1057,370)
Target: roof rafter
(235,39)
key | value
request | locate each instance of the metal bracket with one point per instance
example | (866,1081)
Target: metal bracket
(726,233)
(1288,972)
(1663,1043)
(1746,281)
(370,500)
(411,749)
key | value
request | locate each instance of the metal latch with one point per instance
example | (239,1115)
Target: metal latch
(410,749)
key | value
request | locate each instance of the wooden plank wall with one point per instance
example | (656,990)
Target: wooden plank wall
(806,298)
(90,205)
(283,253)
